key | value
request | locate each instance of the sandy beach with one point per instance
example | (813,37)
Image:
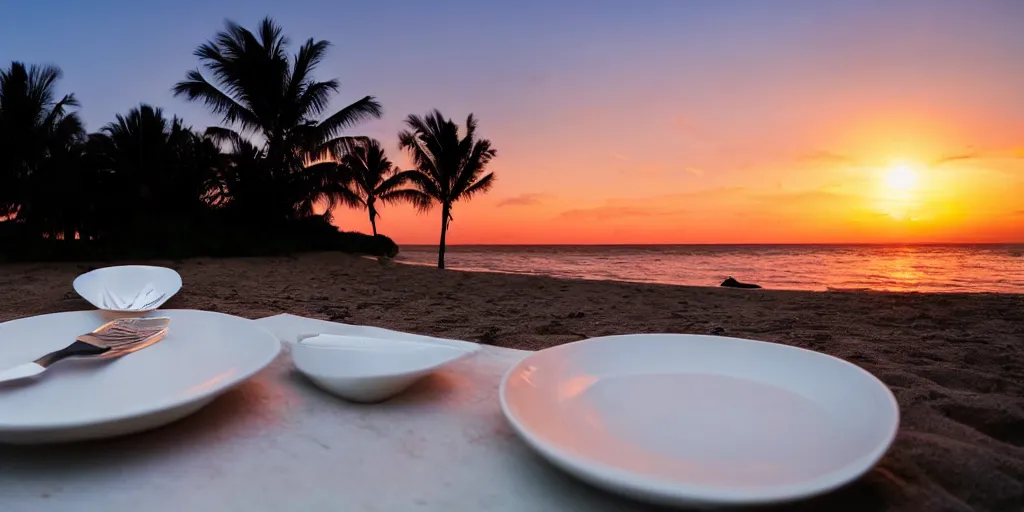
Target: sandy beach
(954,361)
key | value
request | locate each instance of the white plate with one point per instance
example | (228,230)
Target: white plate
(203,355)
(700,420)
(127,281)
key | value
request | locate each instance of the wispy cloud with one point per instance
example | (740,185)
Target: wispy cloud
(670,205)
(689,206)
(714,193)
(969,154)
(801,196)
(825,156)
(660,171)
(612,212)
(973,153)
(1005,153)
(524,200)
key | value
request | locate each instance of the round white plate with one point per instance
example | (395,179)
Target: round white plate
(700,420)
(203,355)
(127,281)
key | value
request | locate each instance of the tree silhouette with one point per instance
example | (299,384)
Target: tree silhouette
(375,180)
(147,185)
(258,89)
(449,166)
(39,141)
(157,168)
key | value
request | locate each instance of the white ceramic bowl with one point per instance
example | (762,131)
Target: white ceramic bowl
(127,281)
(367,369)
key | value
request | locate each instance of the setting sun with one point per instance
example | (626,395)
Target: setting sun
(900,177)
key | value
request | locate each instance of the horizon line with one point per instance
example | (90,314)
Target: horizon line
(734,244)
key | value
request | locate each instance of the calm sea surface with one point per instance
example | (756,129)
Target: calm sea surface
(922,268)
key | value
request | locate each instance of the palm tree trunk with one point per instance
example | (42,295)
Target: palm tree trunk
(372,210)
(444,231)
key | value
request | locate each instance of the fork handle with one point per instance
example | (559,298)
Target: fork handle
(78,348)
(22,371)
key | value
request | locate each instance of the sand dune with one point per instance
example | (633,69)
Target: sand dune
(955,362)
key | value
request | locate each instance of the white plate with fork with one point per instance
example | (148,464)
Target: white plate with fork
(202,355)
(128,288)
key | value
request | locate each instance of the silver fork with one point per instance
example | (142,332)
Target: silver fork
(112,339)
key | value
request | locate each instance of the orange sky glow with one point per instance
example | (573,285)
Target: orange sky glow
(762,131)
(874,180)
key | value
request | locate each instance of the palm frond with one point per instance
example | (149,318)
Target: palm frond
(422,202)
(58,114)
(271,37)
(472,165)
(336,148)
(314,98)
(393,182)
(482,185)
(431,134)
(222,135)
(329,180)
(362,110)
(69,131)
(59,109)
(422,158)
(196,87)
(41,82)
(426,184)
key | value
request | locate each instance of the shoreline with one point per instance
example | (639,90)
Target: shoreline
(648,306)
(955,361)
(826,289)
(714,244)
(923,269)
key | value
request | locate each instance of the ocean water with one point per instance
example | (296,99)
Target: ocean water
(919,268)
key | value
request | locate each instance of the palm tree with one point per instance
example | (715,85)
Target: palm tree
(40,140)
(375,180)
(449,166)
(259,90)
(162,169)
(240,186)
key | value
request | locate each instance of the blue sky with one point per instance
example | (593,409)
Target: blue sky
(415,55)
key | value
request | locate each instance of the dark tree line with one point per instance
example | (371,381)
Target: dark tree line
(147,184)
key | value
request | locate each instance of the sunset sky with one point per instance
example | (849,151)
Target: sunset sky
(634,122)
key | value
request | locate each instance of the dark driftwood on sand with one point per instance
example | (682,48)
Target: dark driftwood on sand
(732,283)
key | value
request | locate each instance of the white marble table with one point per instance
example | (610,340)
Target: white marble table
(278,443)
